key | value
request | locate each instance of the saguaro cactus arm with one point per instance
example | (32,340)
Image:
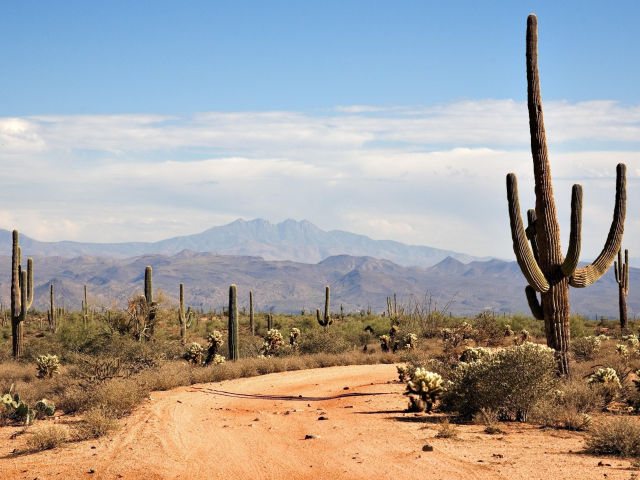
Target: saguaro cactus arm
(534,304)
(521,247)
(585,276)
(531,233)
(29,295)
(575,240)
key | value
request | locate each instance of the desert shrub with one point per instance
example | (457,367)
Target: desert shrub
(474,354)
(47,365)
(95,423)
(509,381)
(615,436)
(586,348)
(118,396)
(46,438)
(73,399)
(425,385)
(455,339)
(487,330)
(446,429)
(490,419)
(320,341)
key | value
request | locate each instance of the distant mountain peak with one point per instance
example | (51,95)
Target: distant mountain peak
(298,241)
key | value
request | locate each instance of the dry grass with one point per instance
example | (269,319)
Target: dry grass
(46,438)
(618,436)
(447,429)
(95,423)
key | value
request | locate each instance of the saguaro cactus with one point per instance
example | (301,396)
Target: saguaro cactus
(269,321)
(85,307)
(185,319)
(252,325)
(52,312)
(233,323)
(324,321)
(622,277)
(21,295)
(547,271)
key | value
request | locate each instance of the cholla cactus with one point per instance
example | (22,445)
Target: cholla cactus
(194,353)
(293,337)
(385,343)
(217,360)
(602,337)
(427,385)
(404,372)
(273,343)
(522,338)
(47,365)
(214,339)
(508,332)
(410,341)
(623,351)
(454,338)
(474,354)
(607,377)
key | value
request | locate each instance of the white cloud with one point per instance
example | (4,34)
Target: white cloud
(427,175)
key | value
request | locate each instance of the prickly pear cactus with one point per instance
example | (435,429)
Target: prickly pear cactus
(45,408)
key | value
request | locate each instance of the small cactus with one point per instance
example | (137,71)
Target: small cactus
(45,408)
(194,353)
(426,385)
(272,344)
(325,320)
(215,342)
(404,372)
(293,337)
(47,365)
(623,351)
(410,341)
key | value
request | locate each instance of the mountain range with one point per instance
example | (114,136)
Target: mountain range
(286,286)
(289,240)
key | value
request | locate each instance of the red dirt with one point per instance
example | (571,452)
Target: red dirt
(254,428)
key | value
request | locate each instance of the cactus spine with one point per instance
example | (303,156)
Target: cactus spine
(21,295)
(622,277)
(233,323)
(547,271)
(184,318)
(325,320)
(252,325)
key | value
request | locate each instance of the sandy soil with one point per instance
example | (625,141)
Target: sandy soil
(255,428)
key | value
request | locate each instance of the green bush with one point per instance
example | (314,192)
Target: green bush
(509,381)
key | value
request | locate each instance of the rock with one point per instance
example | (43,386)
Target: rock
(311,437)
(427,448)
(323,418)
(346,388)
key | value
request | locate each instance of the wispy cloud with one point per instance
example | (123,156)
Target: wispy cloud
(423,175)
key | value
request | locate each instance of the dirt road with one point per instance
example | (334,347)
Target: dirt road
(255,428)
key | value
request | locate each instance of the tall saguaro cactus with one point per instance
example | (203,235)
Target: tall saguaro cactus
(622,277)
(547,271)
(233,323)
(185,319)
(52,312)
(324,321)
(252,325)
(21,295)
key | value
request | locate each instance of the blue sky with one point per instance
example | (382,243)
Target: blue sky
(124,121)
(176,57)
